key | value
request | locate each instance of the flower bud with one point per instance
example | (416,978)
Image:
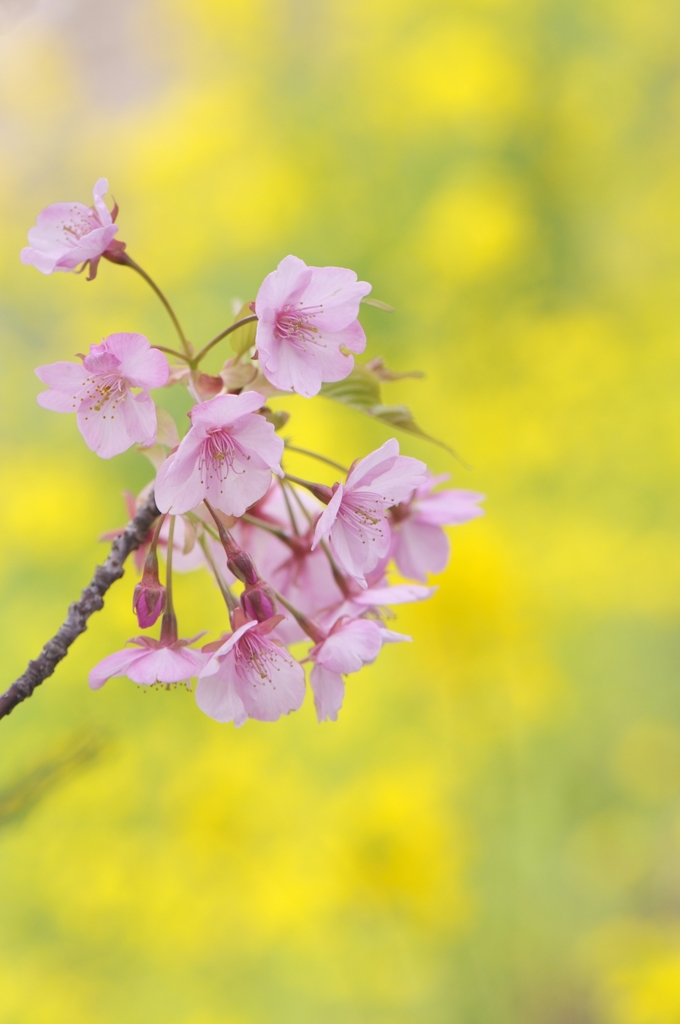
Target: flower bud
(258,602)
(148,602)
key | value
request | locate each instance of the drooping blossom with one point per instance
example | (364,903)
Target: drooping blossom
(69,234)
(355,519)
(250,676)
(150,661)
(308,328)
(419,544)
(110,415)
(351,644)
(227,457)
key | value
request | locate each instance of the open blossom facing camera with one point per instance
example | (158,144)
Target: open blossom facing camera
(308,327)
(67,235)
(227,457)
(110,415)
(304,567)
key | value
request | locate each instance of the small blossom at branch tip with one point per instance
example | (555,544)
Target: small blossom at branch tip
(67,235)
(355,520)
(110,415)
(250,676)
(419,544)
(307,327)
(151,661)
(227,457)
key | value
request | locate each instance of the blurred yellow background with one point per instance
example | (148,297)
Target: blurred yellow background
(490,834)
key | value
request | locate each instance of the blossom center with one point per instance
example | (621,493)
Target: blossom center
(293,326)
(80,224)
(219,452)
(363,514)
(105,391)
(255,656)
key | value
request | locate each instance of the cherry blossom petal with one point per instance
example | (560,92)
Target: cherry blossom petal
(286,283)
(169,664)
(217,696)
(70,376)
(57,401)
(354,644)
(100,189)
(114,665)
(104,433)
(419,548)
(328,516)
(261,440)
(363,472)
(143,366)
(179,486)
(329,692)
(399,593)
(139,416)
(273,687)
(224,410)
(450,507)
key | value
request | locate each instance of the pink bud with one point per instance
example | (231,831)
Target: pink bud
(240,564)
(149,598)
(258,602)
(148,603)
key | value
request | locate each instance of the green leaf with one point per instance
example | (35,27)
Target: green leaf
(243,339)
(400,416)
(362,390)
(368,301)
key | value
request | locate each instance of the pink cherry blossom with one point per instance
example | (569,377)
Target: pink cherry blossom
(68,234)
(355,519)
(351,644)
(250,676)
(151,661)
(419,545)
(110,416)
(308,325)
(227,457)
(375,600)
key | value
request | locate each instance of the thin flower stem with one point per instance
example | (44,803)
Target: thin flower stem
(305,511)
(173,352)
(262,525)
(314,455)
(157,533)
(232,327)
(229,598)
(321,492)
(338,574)
(127,261)
(168,566)
(313,631)
(169,621)
(291,514)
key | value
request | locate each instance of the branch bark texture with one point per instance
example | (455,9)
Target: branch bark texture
(91,600)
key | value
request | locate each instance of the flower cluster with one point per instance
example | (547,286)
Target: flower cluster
(296,560)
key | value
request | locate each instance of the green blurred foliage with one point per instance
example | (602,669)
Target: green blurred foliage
(491,832)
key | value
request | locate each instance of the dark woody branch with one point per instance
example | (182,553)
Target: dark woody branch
(91,600)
